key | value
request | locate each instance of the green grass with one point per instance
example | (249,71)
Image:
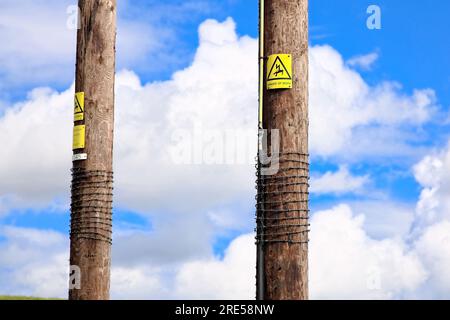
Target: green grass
(24,298)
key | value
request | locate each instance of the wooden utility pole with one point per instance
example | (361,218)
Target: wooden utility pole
(91,206)
(283,197)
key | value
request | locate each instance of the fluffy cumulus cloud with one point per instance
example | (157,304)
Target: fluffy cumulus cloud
(433,174)
(412,263)
(432,228)
(346,263)
(364,62)
(137,283)
(180,127)
(33,262)
(36,133)
(349,114)
(339,182)
(38,38)
(183,132)
(233,277)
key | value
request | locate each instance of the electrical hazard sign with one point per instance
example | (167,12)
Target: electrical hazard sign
(79,106)
(279,71)
(79,137)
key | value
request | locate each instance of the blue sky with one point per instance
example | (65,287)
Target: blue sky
(375,172)
(411,42)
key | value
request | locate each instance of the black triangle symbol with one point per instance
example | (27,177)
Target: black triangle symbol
(282,70)
(78,108)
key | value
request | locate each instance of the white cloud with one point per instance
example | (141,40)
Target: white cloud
(36,43)
(136,284)
(384,218)
(346,263)
(39,41)
(170,241)
(231,278)
(342,104)
(36,133)
(364,62)
(411,263)
(339,182)
(431,230)
(181,104)
(433,173)
(434,249)
(33,262)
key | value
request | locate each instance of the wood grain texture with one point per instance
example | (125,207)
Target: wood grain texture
(286,31)
(95,70)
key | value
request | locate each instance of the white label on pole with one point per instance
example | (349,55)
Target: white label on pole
(79,157)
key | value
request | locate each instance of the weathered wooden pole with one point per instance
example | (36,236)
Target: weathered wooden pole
(91,205)
(283,196)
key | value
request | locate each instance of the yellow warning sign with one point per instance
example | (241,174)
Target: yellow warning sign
(279,71)
(79,137)
(79,106)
